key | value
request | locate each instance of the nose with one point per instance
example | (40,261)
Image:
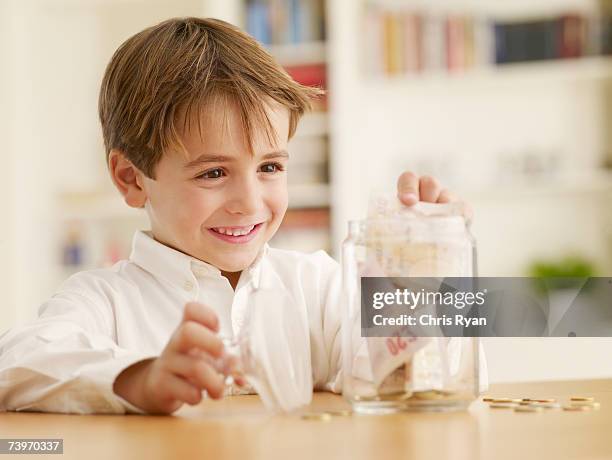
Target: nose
(245,197)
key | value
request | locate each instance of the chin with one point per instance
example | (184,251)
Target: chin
(236,265)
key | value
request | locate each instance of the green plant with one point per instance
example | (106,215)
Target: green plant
(562,274)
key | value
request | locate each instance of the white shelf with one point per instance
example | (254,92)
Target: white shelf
(597,183)
(299,53)
(92,206)
(585,68)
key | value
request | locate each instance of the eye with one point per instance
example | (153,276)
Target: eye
(271,168)
(212,174)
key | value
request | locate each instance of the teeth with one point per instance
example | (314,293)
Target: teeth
(234,232)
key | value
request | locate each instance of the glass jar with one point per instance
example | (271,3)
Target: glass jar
(271,352)
(388,374)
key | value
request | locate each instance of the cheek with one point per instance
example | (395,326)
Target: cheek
(186,206)
(277,199)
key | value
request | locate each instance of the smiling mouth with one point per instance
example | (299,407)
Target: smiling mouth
(234,231)
(237,235)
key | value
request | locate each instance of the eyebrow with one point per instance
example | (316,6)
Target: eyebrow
(212,158)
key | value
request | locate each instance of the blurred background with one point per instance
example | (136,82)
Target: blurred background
(508,103)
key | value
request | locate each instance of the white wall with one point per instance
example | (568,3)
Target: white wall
(531,359)
(7,104)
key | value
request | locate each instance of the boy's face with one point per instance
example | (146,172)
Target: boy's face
(221,204)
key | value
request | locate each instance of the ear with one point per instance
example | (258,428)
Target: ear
(127,178)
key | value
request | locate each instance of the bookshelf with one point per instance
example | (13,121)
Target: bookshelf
(478,128)
(545,72)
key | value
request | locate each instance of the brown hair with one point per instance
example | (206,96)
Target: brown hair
(162,73)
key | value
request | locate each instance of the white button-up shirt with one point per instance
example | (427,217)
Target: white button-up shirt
(102,321)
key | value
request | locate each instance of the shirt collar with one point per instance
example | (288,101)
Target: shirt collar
(181,269)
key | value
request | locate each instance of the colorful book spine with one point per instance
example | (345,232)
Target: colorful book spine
(405,41)
(279,22)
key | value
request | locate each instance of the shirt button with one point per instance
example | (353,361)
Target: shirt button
(188,285)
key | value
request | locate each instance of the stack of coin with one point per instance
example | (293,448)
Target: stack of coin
(503,403)
(576,404)
(581,404)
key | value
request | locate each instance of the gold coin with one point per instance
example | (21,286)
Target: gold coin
(399,396)
(590,404)
(545,400)
(547,405)
(339,413)
(366,398)
(431,394)
(488,399)
(509,405)
(506,400)
(576,408)
(582,398)
(531,408)
(317,416)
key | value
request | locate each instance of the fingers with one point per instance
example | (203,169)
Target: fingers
(232,366)
(172,388)
(199,372)
(411,189)
(193,335)
(429,189)
(202,314)
(446,197)
(408,188)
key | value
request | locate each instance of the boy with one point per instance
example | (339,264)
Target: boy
(196,117)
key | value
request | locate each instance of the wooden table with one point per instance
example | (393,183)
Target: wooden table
(238,427)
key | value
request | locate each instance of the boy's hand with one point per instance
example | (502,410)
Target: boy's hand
(183,370)
(411,189)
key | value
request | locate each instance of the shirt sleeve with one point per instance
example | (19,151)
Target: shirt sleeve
(67,359)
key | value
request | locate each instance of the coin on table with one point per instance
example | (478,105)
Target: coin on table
(576,408)
(582,398)
(544,400)
(316,416)
(488,399)
(509,405)
(339,413)
(530,408)
(589,404)
(547,405)
(506,400)
(366,398)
